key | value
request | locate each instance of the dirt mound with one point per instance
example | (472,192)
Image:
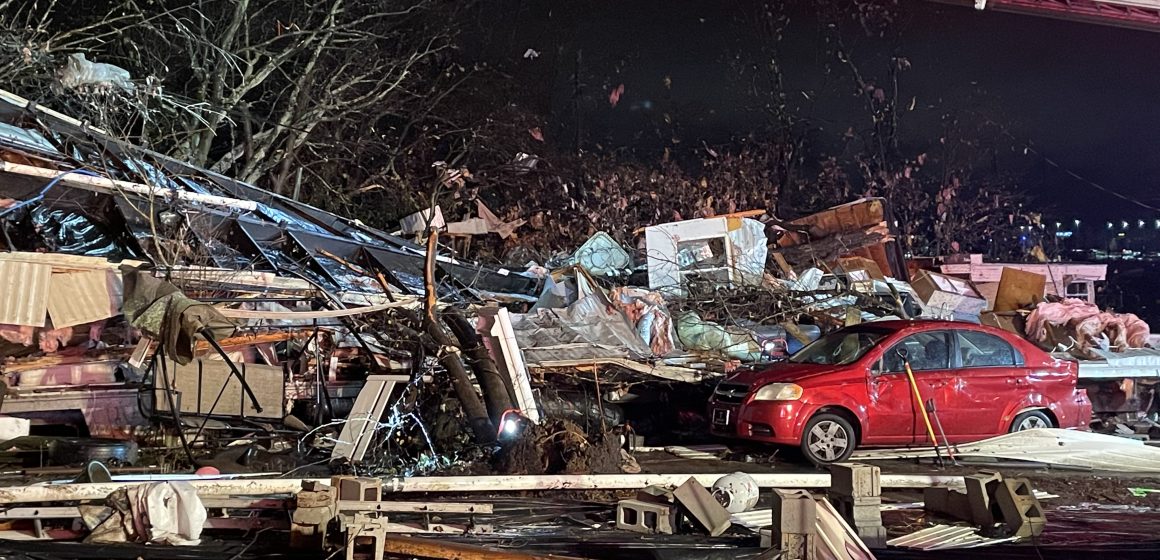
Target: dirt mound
(560,447)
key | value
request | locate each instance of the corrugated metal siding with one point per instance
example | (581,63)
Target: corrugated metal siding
(83,297)
(24,291)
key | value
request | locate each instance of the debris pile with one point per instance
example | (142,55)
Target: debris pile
(169,319)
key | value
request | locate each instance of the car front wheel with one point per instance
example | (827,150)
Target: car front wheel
(828,438)
(1030,420)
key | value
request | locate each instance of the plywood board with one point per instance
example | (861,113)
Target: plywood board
(24,293)
(80,297)
(197,384)
(1019,289)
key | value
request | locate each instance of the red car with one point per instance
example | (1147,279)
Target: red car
(850,389)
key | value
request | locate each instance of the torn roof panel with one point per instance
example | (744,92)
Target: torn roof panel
(47,135)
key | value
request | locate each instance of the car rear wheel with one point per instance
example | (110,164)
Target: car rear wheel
(1030,420)
(828,438)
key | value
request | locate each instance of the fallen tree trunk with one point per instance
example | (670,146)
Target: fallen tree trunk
(497,391)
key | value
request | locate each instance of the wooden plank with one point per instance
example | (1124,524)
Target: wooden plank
(310,315)
(245,278)
(414,507)
(464,484)
(364,417)
(431,548)
(110,186)
(1019,289)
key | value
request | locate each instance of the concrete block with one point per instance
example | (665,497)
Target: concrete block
(359,489)
(656,495)
(699,505)
(948,502)
(980,489)
(1022,514)
(874,536)
(855,480)
(794,511)
(646,517)
(795,546)
(766,534)
(859,512)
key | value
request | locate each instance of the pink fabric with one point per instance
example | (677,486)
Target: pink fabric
(18,334)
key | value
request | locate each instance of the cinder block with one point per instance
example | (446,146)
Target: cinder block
(1022,514)
(859,512)
(980,489)
(766,534)
(702,507)
(794,511)
(873,536)
(359,489)
(645,517)
(656,495)
(796,546)
(946,501)
(855,480)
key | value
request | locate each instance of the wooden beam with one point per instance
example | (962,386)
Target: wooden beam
(112,186)
(414,507)
(463,484)
(441,549)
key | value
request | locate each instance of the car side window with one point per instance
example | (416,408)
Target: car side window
(926,351)
(981,349)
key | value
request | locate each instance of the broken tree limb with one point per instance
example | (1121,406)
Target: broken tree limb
(437,343)
(497,393)
(430,291)
(514,483)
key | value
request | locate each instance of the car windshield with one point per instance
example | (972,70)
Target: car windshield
(839,348)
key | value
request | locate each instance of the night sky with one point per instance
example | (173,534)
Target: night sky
(1084,95)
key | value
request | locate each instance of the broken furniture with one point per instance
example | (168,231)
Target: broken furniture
(722,250)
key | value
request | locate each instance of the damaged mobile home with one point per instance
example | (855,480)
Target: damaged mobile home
(378,396)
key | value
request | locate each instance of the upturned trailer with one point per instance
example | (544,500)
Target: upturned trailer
(1123,390)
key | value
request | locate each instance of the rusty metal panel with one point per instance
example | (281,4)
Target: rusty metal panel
(82,297)
(24,291)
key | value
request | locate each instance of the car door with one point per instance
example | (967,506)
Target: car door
(990,377)
(929,354)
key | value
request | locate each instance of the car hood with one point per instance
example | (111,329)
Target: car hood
(786,372)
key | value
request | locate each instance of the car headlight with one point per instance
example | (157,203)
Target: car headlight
(778,392)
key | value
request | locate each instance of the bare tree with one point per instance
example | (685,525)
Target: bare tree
(260,90)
